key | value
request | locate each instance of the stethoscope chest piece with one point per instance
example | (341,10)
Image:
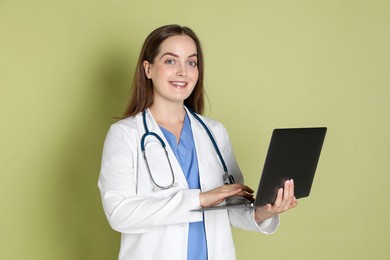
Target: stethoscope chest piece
(228,179)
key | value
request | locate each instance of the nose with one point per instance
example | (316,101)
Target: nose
(181,70)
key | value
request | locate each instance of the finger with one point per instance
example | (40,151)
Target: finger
(244,192)
(292,200)
(279,198)
(286,190)
(247,189)
(294,203)
(230,193)
(288,195)
(280,202)
(242,186)
(292,188)
(247,195)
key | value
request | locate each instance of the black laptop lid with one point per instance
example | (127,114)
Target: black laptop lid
(293,153)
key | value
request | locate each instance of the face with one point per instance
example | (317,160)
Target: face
(174,71)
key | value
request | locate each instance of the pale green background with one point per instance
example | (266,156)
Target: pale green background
(65,69)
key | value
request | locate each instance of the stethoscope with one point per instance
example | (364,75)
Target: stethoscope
(227,178)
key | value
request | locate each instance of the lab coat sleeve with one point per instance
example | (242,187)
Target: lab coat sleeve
(125,210)
(242,218)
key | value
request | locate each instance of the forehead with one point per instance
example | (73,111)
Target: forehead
(179,45)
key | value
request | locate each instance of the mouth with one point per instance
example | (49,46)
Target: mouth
(178,84)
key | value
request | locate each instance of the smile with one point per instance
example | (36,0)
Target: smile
(178,84)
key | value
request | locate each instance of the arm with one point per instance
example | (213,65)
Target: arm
(126,210)
(264,220)
(265,217)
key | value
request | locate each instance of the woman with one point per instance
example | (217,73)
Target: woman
(150,199)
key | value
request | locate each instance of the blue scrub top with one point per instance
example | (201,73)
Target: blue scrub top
(186,155)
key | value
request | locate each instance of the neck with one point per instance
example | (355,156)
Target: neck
(168,115)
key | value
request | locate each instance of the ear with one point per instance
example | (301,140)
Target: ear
(147,66)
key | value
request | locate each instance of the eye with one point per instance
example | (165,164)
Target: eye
(193,63)
(169,61)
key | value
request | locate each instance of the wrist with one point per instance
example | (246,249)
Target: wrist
(201,199)
(260,214)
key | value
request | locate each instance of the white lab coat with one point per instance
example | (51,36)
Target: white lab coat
(154,224)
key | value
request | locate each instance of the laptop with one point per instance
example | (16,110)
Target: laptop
(293,153)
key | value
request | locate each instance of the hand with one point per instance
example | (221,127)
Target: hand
(218,195)
(285,200)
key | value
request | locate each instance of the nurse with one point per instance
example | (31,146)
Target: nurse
(149,200)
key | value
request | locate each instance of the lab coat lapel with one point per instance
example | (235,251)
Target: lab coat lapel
(208,163)
(177,170)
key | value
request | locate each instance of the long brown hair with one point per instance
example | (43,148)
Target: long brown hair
(141,93)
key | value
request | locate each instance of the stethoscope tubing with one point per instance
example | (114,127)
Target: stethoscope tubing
(227,179)
(212,139)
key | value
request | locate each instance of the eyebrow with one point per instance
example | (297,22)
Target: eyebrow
(175,55)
